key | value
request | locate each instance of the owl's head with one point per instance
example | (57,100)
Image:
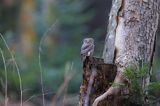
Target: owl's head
(88,40)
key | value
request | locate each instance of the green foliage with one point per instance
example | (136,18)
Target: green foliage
(139,91)
(154,86)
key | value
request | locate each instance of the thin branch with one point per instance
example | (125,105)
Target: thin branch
(41,75)
(33,96)
(69,73)
(39,60)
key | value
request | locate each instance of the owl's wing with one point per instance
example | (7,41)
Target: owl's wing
(89,49)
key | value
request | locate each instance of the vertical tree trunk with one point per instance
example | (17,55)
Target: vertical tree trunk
(131,38)
(136,30)
(26,24)
(135,33)
(137,23)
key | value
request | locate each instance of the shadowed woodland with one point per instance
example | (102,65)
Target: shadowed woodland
(40,42)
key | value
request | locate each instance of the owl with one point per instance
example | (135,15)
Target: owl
(87,48)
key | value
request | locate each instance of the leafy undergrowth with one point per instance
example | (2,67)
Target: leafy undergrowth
(141,92)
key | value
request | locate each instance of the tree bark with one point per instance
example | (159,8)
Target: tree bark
(136,34)
(130,40)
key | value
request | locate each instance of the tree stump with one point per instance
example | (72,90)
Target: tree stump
(102,80)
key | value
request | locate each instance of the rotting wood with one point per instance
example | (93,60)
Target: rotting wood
(104,76)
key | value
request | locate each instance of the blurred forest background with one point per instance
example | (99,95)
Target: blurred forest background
(45,38)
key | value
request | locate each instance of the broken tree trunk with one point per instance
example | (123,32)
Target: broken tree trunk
(97,77)
(130,42)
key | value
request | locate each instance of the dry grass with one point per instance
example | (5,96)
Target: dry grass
(62,92)
(5,68)
(17,69)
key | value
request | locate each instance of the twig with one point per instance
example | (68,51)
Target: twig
(41,72)
(17,68)
(63,88)
(33,96)
(5,69)
(39,59)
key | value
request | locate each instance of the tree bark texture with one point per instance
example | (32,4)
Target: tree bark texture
(131,30)
(130,41)
(136,34)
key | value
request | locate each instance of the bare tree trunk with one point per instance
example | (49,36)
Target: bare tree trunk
(130,40)
(26,26)
(135,34)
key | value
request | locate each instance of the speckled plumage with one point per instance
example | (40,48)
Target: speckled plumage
(87,48)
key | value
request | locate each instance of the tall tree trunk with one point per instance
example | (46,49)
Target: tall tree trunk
(131,39)
(135,34)
(26,26)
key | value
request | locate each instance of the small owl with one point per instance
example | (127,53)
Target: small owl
(87,48)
